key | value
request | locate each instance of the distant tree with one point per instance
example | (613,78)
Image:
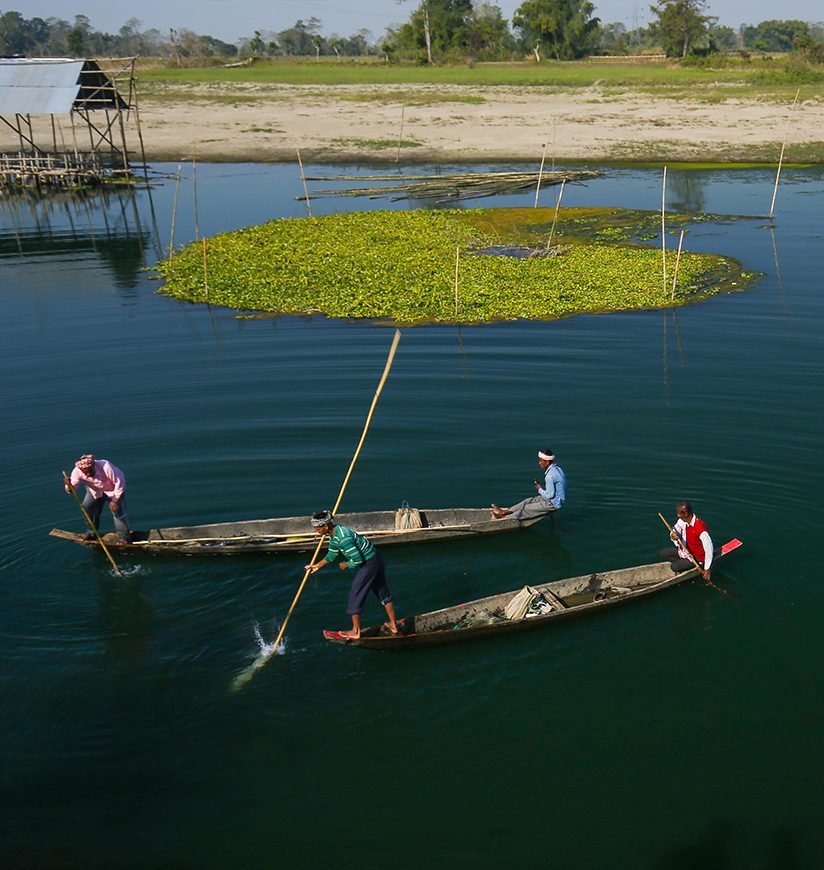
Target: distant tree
(77,42)
(487,34)
(723,38)
(435,29)
(613,38)
(563,29)
(774,35)
(256,44)
(808,49)
(681,25)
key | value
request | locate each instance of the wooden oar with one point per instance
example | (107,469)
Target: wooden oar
(692,559)
(92,526)
(245,676)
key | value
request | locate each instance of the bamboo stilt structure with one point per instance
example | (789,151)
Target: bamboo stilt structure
(400,135)
(245,676)
(781,156)
(664,227)
(677,262)
(303,179)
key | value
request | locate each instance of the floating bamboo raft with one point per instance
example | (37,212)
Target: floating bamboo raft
(442,188)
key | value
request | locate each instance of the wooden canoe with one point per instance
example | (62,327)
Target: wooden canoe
(575,596)
(295,533)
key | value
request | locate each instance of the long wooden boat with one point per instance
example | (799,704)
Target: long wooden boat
(572,597)
(295,533)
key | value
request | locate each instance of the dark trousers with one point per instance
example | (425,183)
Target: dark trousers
(370,576)
(676,562)
(94,507)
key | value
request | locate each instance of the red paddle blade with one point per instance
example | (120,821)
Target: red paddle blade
(734,544)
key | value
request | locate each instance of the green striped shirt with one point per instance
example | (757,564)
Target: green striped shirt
(350,545)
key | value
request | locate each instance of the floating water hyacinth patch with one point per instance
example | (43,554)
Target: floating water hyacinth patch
(400,265)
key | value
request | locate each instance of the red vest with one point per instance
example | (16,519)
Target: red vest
(694,544)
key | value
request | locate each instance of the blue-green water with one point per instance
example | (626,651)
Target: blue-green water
(684,731)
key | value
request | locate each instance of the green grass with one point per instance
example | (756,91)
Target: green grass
(401,266)
(769,79)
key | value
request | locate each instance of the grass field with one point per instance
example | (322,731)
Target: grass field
(765,77)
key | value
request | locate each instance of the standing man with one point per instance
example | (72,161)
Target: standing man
(690,533)
(356,552)
(104,483)
(550,497)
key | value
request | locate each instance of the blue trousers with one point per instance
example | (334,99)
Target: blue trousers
(94,507)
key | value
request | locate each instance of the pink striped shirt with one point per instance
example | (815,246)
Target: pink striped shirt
(105,479)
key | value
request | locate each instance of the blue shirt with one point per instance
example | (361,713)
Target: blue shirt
(554,486)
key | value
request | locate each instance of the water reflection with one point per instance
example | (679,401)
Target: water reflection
(686,190)
(105,223)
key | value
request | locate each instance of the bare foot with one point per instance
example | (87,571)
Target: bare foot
(351,634)
(497,513)
(392,628)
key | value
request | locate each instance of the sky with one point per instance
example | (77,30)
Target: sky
(231,20)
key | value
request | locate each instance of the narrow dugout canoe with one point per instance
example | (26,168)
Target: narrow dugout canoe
(295,533)
(575,596)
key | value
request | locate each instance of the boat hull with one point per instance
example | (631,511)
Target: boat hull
(575,596)
(293,534)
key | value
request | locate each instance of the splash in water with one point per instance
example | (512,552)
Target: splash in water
(268,649)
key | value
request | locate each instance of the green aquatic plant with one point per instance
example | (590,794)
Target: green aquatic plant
(400,265)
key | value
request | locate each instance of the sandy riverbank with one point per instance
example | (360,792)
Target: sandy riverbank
(450,123)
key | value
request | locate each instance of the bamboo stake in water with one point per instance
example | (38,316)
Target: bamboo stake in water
(781,156)
(400,135)
(92,526)
(174,212)
(303,179)
(664,227)
(245,676)
(457,261)
(205,273)
(677,261)
(555,219)
(540,175)
(553,143)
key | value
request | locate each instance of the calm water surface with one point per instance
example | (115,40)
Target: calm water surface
(684,731)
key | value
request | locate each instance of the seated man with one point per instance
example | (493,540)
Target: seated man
(550,497)
(691,536)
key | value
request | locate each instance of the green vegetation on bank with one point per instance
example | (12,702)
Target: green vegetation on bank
(401,266)
(746,76)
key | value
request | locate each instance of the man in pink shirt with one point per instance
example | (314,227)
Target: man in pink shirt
(104,483)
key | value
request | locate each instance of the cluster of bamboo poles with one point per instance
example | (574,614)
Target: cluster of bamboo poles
(56,170)
(442,188)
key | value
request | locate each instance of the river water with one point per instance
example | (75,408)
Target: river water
(683,731)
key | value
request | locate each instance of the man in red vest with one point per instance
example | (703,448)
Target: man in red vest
(690,533)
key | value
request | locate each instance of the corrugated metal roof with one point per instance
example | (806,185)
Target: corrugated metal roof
(52,86)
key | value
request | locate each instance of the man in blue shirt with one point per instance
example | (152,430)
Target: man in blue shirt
(358,552)
(550,497)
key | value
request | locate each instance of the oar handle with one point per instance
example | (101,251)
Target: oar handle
(92,526)
(683,543)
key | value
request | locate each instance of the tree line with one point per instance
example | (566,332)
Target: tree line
(436,31)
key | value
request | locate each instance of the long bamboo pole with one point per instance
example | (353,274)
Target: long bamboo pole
(194,189)
(174,212)
(781,156)
(677,261)
(540,175)
(555,218)
(400,135)
(664,227)
(205,272)
(92,526)
(457,263)
(303,179)
(245,676)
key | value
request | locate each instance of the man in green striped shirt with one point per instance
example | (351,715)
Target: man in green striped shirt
(358,552)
